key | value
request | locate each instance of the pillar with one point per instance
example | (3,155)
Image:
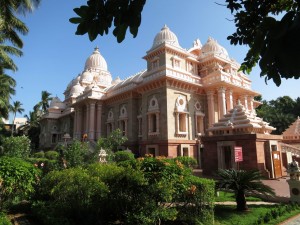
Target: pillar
(251,103)
(157,122)
(79,123)
(246,101)
(221,102)
(91,133)
(75,130)
(87,119)
(211,108)
(229,100)
(99,117)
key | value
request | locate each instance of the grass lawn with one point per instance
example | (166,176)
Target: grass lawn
(227,215)
(229,197)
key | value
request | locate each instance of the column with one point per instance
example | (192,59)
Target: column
(79,123)
(246,102)
(126,122)
(211,108)
(87,119)
(157,122)
(221,102)
(99,117)
(92,121)
(149,122)
(75,130)
(251,103)
(229,100)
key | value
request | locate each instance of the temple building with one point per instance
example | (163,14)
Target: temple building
(291,143)
(167,109)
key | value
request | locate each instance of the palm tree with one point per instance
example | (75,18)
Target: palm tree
(15,108)
(44,103)
(10,26)
(241,181)
(32,121)
(7,85)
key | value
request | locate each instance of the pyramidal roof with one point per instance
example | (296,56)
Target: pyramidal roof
(240,121)
(294,129)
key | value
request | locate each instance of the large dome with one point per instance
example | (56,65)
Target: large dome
(165,36)
(213,47)
(95,61)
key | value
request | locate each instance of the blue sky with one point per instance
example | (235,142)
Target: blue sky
(54,55)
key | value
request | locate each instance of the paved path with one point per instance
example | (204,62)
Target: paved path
(292,221)
(280,186)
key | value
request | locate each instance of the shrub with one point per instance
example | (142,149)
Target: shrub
(51,155)
(46,165)
(73,194)
(138,192)
(16,146)
(187,161)
(4,220)
(200,192)
(40,154)
(17,179)
(267,217)
(123,156)
(75,153)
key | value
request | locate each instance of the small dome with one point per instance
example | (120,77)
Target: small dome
(73,81)
(95,61)
(87,77)
(165,36)
(89,87)
(116,81)
(92,86)
(56,103)
(76,90)
(213,47)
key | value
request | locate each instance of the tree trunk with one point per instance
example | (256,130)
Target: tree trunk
(241,204)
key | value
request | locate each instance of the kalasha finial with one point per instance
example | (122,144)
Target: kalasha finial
(96,49)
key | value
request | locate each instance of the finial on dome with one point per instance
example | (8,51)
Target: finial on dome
(165,27)
(96,49)
(197,43)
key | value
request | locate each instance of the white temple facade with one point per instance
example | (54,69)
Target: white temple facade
(164,110)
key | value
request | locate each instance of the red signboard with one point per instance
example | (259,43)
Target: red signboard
(238,154)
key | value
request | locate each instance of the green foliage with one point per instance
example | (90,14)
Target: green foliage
(241,181)
(51,155)
(227,215)
(123,156)
(187,161)
(141,191)
(16,146)
(272,42)
(4,220)
(46,165)
(75,153)
(97,17)
(280,113)
(40,154)
(201,194)
(73,192)
(112,142)
(17,179)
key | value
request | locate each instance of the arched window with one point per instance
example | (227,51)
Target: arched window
(199,119)
(110,122)
(123,120)
(181,116)
(153,117)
